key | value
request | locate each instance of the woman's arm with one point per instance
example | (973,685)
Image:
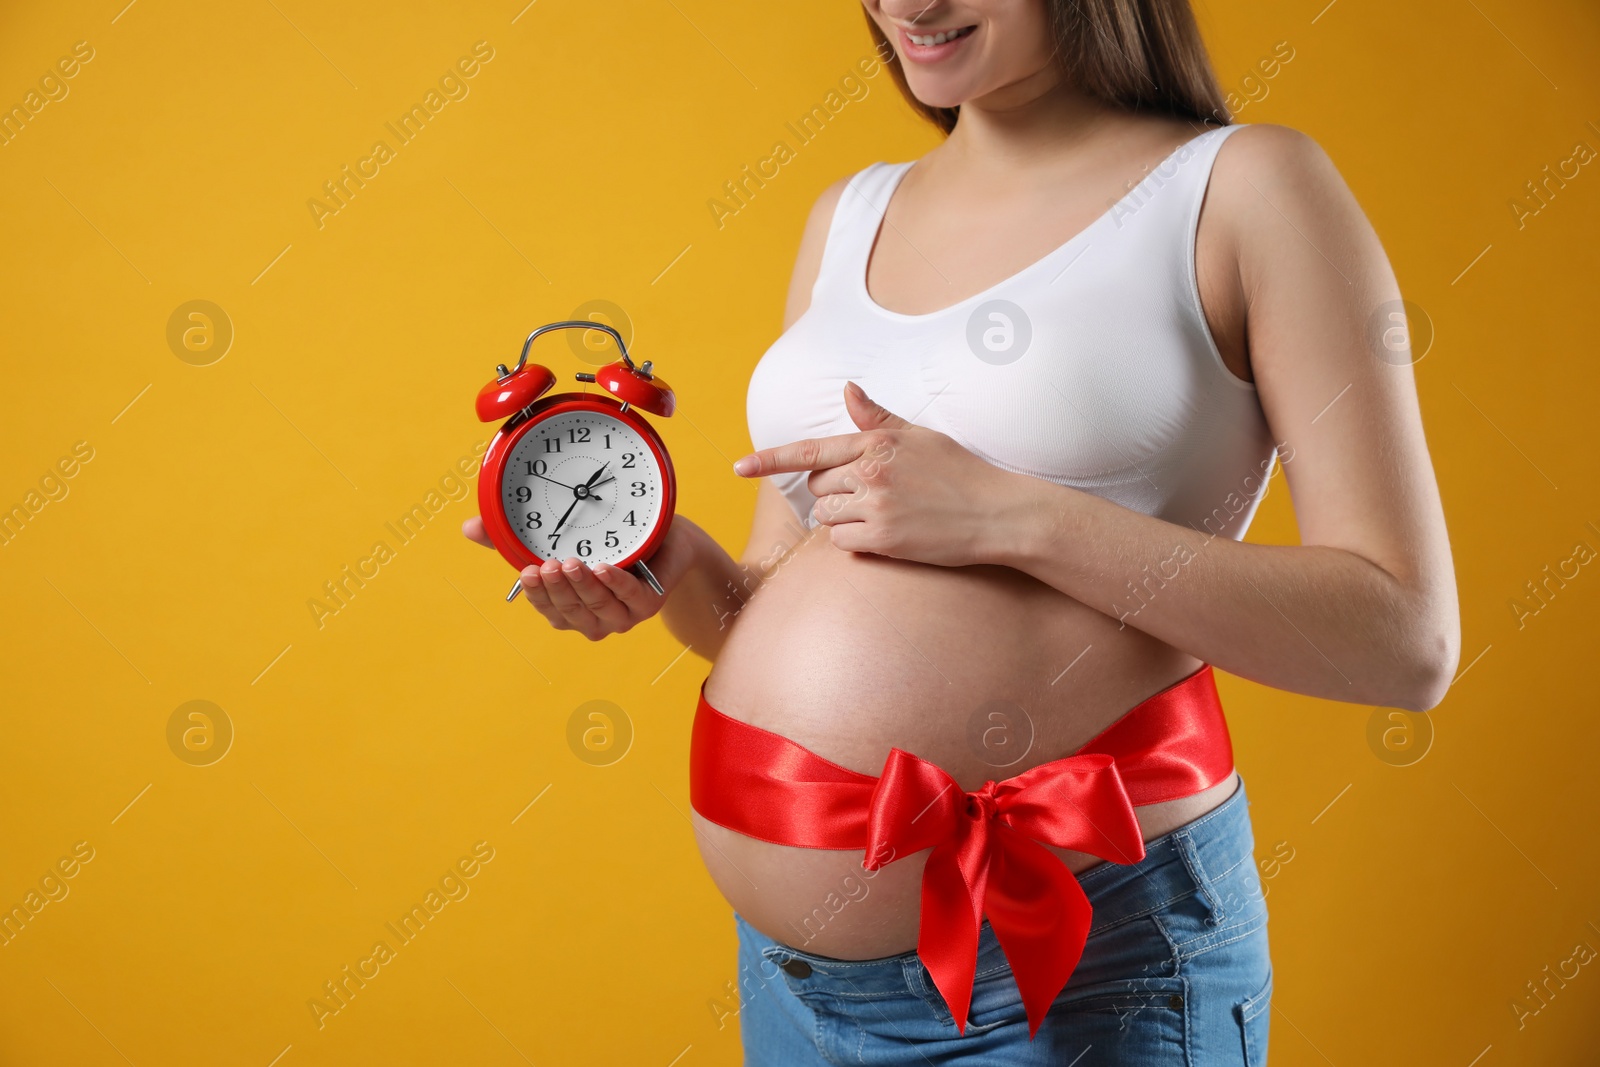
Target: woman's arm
(706,604)
(718,585)
(1364,610)
(705,586)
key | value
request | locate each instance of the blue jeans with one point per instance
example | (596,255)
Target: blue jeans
(1175,971)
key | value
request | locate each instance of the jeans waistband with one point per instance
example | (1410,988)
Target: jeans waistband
(1190,860)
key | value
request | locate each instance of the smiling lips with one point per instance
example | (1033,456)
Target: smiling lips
(927,47)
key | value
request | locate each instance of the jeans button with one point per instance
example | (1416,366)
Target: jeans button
(797,968)
(1175,1002)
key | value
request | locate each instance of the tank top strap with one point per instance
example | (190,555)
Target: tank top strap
(1170,196)
(1199,168)
(856,219)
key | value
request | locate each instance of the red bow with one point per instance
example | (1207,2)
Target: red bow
(988,859)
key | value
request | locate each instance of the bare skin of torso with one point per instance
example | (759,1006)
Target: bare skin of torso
(851,653)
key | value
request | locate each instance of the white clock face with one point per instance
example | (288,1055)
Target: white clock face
(584,484)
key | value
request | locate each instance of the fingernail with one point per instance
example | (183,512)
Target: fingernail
(745,466)
(856,389)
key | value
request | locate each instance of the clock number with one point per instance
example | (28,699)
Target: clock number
(536,468)
(628,458)
(555,539)
(534,521)
(608,441)
(552,444)
(612,541)
(584,548)
(524,494)
(638,489)
(629,519)
(577,435)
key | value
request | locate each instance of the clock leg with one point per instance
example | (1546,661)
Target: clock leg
(516,587)
(644,572)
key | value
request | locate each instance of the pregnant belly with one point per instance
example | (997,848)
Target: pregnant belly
(982,670)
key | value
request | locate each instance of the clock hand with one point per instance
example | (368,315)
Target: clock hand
(577,498)
(590,485)
(564,485)
(597,480)
(564,516)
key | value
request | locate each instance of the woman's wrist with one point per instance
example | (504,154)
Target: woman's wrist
(1030,517)
(707,599)
(711,565)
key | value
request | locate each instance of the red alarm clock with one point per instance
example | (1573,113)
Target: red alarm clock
(577,474)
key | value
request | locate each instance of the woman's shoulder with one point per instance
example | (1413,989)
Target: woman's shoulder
(1261,154)
(829,198)
(1266,148)
(827,202)
(820,224)
(826,205)
(1265,174)
(813,244)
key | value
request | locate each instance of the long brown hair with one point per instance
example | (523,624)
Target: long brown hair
(1142,55)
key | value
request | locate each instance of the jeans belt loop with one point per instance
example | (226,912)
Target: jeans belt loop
(1197,874)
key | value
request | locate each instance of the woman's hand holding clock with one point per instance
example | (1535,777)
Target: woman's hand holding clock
(898,489)
(602,600)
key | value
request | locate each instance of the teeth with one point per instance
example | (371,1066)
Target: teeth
(928,40)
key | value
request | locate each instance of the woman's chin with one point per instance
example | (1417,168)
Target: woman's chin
(932,96)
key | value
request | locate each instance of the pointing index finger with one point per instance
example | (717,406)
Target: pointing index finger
(810,454)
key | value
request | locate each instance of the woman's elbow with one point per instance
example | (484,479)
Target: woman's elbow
(1431,667)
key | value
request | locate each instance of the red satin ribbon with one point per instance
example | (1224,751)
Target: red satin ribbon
(988,855)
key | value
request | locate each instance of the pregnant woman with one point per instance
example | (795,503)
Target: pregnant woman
(960,766)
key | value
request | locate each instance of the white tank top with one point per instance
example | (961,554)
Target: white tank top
(1092,368)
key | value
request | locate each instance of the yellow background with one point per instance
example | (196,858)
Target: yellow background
(371,753)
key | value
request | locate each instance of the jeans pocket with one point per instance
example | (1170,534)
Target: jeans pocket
(1141,1021)
(1254,1015)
